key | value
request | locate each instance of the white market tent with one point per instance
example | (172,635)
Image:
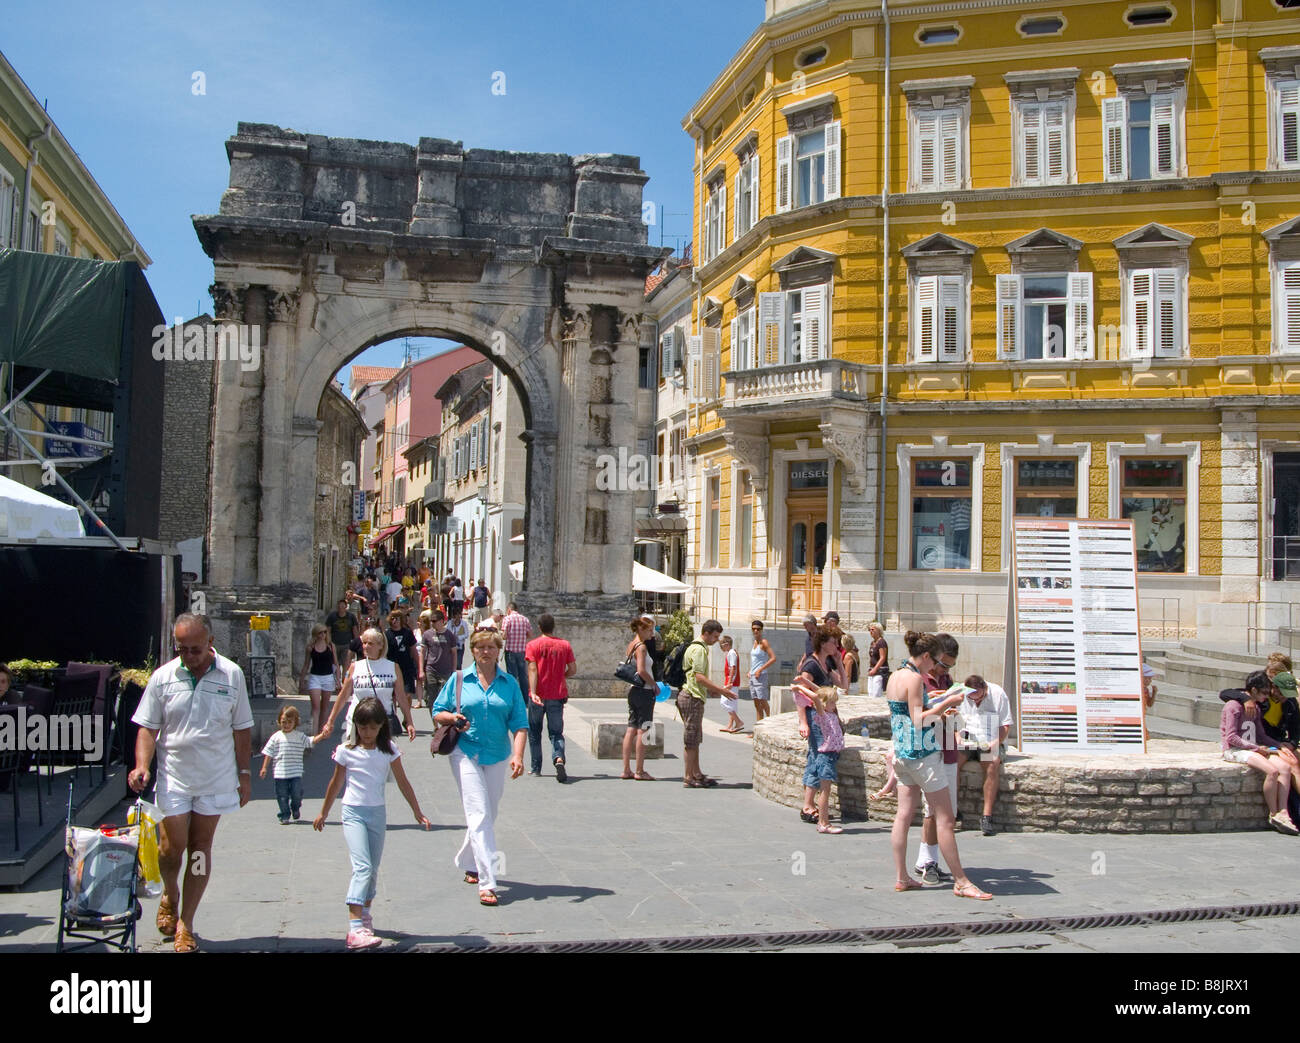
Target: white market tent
(643,579)
(26,514)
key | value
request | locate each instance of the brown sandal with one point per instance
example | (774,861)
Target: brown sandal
(185,940)
(166,918)
(488,898)
(643,776)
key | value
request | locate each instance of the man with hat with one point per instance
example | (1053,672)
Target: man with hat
(1281,720)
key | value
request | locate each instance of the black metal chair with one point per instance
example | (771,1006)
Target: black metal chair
(74,699)
(11,762)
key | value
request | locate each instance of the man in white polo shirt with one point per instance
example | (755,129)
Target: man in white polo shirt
(195,713)
(986,712)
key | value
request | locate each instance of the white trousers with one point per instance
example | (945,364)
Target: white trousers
(480,786)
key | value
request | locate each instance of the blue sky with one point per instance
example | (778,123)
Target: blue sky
(579,77)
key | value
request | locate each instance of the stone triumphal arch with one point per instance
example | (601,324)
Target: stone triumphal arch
(537,260)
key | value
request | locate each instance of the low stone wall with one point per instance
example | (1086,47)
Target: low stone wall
(1177,787)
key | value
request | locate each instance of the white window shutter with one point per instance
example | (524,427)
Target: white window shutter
(950,142)
(1009,334)
(711,352)
(1031,156)
(771,328)
(695,346)
(722,215)
(1079,315)
(670,343)
(736,231)
(473,447)
(1289,312)
(1164,134)
(949,339)
(833,154)
(1288,123)
(1055,170)
(1169,326)
(815,327)
(927,292)
(927,150)
(1140,285)
(738,360)
(1114,121)
(784,172)
(753,190)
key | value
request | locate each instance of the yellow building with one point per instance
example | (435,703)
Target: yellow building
(1062,238)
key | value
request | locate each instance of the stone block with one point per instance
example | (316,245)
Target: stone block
(607,740)
(1209,787)
(1179,789)
(1151,789)
(1117,789)
(1080,789)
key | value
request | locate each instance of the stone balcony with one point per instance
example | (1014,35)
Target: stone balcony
(780,389)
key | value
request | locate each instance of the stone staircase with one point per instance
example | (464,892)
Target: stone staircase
(1190,676)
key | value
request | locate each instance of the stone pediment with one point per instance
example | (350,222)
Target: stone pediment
(938,244)
(802,255)
(742,291)
(1044,239)
(804,266)
(1044,250)
(1154,235)
(1284,240)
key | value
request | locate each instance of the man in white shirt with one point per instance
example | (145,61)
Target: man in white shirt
(195,714)
(987,715)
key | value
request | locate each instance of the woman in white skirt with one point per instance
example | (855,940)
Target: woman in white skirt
(323,678)
(372,676)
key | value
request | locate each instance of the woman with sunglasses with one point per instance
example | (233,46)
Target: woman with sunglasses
(372,675)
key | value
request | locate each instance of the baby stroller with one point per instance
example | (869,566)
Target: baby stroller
(99,886)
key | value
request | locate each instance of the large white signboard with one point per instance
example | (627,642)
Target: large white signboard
(1078,648)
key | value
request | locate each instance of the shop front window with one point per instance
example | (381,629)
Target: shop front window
(1153,493)
(1047,488)
(941,514)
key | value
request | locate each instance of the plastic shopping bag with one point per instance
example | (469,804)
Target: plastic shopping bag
(152,817)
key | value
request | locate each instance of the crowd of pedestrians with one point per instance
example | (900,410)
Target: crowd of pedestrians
(494,682)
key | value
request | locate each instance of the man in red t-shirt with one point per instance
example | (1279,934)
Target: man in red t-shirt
(550,660)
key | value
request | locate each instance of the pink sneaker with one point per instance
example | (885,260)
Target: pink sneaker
(363,938)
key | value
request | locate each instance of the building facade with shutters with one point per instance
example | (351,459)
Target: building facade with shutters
(959,263)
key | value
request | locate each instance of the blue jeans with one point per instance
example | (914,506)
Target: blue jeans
(363,830)
(517,667)
(288,794)
(553,712)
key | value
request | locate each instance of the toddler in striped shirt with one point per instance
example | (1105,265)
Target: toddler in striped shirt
(286,748)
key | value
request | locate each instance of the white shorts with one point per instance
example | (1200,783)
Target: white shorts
(730,703)
(1237,756)
(171,803)
(927,772)
(949,773)
(320,682)
(875,686)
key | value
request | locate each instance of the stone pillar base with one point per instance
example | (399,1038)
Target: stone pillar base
(596,625)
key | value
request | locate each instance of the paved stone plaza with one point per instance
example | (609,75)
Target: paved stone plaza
(603,859)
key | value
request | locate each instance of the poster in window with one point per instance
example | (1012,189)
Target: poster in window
(1160,531)
(931,548)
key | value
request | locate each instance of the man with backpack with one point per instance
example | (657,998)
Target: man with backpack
(695,689)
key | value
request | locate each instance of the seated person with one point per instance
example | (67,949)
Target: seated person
(987,714)
(1240,731)
(1281,722)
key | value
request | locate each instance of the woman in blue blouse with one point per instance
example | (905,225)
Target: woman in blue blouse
(493,724)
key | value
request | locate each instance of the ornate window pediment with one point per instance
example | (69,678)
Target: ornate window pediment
(1284,240)
(1042,84)
(804,266)
(1168,74)
(939,254)
(1154,245)
(742,291)
(1044,250)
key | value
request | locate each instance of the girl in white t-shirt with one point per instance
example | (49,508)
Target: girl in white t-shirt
(362,765)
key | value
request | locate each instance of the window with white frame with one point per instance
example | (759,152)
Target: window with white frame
(1286,306)
(32,232)
(1153,493)
(939,318)
(61,245)
(745,190)
(1045,316)
(1155,311)
(713,522)
(936,150)
(1043,149)
(715,218)
(744,340)
(1143,132)
(672,352)
(1286,125)
(941,512)
(793,326)
(744,499)
(8,208)
(808,166)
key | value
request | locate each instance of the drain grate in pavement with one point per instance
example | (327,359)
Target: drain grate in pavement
(909,934)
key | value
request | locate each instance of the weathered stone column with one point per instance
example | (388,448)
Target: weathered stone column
(1239,580)
(277,464)
(540,537)
(232,532)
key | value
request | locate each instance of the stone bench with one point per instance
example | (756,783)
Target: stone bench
(1176,787)
(607,740)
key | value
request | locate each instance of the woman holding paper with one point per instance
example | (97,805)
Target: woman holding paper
(918,762)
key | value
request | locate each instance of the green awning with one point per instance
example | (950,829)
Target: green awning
(62,313)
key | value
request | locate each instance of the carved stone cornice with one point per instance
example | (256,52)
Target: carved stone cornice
(845,438)
(749,448)
(228,301)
